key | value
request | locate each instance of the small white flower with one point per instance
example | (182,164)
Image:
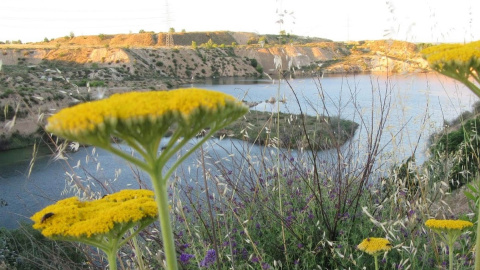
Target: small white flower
(74,146)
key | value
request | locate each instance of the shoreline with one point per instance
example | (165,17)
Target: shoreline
(256,120)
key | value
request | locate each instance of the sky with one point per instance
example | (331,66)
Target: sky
(435,21)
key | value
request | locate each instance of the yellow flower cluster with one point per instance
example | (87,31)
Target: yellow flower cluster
(374,246)
(448,224)
(453,53)
(134,110)
(73,218)
(457,61)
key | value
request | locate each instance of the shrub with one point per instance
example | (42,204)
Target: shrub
(461,146)
(253,62)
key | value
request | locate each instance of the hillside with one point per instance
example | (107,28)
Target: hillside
(38,77)
(148,50)
(141,60)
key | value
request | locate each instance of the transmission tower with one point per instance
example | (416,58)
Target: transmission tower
(169,41)
(169,38)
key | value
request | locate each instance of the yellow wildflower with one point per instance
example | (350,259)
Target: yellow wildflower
(448,230)
(141,120)
(374,246)
(72,218)
(143,115)
(447,224)
(457,61)
(460,54)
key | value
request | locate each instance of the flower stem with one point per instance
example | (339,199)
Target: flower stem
(477,245)
(161,197)
(450,255)
(376,261)
(138,252)
(112,258)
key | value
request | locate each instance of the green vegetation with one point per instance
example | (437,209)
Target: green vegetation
(458,145)
(17,140)
(25,248)
(209,44)
(259,128)
(93,83)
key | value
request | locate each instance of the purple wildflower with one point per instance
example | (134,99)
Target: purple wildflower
(265,266)
(185,258)
(209,258)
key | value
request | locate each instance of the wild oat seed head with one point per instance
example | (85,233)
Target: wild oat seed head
(131,112)
(374,246)
(448,224)
(72,218)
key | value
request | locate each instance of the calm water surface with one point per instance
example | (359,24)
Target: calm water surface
(418,100)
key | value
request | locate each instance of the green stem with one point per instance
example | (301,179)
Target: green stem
(462,79)
(477,245)
(112,259)
(126,156)
(97,244)
(134,144)
(376,261)
(212,221)
(112,254)
(161,197)
(185,155)
(138,252)
(134,233)
(450,255)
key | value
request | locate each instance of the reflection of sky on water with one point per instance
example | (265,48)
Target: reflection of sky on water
(416,100)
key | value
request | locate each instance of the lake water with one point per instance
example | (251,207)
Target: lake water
(417,100)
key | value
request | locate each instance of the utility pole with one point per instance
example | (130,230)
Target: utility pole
(169,39)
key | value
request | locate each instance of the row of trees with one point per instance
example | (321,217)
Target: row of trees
(11,42)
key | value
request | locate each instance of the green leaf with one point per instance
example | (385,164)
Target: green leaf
(469,196)
(472,188)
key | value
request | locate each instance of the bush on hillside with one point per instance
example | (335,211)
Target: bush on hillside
(460,147)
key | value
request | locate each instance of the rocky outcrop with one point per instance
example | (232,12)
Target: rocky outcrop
(291,57)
